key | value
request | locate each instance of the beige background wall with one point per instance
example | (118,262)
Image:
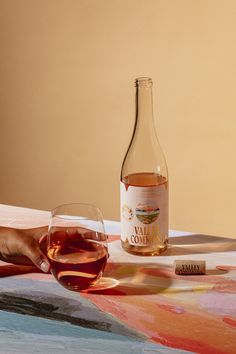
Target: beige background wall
(67,102)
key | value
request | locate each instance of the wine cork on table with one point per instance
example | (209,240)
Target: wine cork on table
(189,267)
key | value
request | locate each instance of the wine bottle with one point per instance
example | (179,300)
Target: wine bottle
(144,183)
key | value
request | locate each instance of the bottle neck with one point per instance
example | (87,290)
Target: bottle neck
(144,154)
(144,123)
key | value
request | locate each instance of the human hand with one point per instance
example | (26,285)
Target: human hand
(25,247)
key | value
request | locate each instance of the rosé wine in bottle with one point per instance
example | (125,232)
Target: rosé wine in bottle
(144,183)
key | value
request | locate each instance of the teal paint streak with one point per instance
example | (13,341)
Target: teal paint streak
(35,325)
(27,334)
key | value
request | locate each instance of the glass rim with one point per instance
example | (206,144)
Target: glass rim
(72,204)
(92,206)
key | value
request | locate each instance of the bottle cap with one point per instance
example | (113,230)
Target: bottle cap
(143,81)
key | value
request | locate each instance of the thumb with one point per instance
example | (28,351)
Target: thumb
(33,252)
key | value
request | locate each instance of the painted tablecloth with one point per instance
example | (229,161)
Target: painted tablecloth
(140,306)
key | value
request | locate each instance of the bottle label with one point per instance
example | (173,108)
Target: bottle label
(144,214)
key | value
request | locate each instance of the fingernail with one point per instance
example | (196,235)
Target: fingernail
(44,266)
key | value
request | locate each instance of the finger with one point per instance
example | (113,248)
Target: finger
(43,244)
(33,252)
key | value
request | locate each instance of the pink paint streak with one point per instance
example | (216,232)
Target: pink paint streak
(187,344)
(230,321)
(225,267)
(173,309)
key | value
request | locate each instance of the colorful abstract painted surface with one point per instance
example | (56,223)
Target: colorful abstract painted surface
(140,305)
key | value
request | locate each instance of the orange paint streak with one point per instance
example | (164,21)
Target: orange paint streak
(194,330)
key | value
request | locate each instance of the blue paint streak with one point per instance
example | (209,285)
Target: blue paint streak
(27,334)
(37,325)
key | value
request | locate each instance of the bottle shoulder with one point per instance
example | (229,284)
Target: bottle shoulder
(146,157)
(145,179)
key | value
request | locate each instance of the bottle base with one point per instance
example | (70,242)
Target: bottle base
(155,250)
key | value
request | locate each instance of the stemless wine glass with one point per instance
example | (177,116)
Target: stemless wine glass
(77,245)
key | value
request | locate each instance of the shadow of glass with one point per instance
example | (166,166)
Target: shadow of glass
(124,279)
(198,244)
(152,278)
(133,279)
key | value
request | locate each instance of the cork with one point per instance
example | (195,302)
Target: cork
(189,267)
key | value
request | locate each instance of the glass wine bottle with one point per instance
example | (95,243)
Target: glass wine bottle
(144,183)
